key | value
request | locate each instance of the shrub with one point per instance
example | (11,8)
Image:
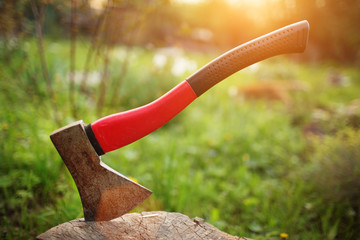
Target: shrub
(335,178)
(336,166)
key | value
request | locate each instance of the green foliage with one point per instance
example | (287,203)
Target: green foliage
(251,168)
(27,178)
(335,167)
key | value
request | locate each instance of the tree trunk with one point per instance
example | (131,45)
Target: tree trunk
(145,225)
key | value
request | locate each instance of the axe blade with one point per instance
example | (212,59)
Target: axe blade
(105,194)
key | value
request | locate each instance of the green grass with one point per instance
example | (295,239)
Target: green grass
(247,167)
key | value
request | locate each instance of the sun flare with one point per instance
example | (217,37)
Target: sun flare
(231,2)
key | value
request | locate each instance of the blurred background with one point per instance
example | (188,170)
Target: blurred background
(272,152)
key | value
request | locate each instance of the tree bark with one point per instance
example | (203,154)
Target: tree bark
(145,225)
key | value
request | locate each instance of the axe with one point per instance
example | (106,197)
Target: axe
(105,194)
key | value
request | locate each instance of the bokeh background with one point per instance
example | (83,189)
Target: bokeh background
(272,152)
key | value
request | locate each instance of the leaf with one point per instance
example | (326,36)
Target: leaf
(256,227)
(5,181)
(214,215)
(23,194)
(333,231)
(251,201)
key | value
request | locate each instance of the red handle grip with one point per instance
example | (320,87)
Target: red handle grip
(117,130)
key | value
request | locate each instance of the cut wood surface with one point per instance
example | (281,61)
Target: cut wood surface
(145,225)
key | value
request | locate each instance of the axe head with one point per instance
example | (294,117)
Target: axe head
(105,194)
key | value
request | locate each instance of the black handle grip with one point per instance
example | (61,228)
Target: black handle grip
(290,39)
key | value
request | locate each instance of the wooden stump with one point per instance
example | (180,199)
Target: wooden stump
(147,225)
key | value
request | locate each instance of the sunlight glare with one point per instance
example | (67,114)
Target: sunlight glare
(97,4)
(230,2)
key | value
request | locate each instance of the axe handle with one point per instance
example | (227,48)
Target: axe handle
(120,129)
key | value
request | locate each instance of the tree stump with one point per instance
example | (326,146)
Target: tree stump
(145,225)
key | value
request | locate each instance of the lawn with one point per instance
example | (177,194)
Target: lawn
(273,149)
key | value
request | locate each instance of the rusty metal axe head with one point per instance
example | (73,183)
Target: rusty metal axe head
(105,194)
